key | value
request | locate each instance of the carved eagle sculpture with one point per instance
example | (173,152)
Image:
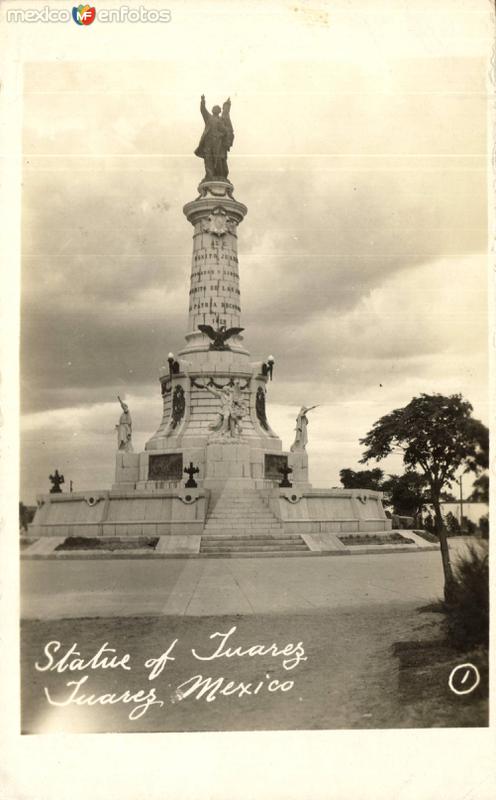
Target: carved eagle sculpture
(219,337)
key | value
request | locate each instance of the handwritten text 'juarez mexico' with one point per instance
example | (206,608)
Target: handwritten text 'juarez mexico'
(200,686)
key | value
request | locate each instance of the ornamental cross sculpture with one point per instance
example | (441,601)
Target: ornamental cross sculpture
(56,479)
(191,470)
(285,472)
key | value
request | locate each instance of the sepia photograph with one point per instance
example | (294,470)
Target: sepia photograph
(254,392)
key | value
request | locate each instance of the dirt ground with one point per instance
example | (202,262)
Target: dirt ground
(349,676)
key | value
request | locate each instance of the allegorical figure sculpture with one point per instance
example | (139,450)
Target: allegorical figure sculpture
(232,409)
(124,429)
(301,438)
(56,480)
(216,140)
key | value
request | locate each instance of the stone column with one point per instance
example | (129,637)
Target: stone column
(214,297)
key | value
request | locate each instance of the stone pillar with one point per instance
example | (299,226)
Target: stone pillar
(214,297)
(190,412)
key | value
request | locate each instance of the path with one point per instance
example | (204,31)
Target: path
(55,589)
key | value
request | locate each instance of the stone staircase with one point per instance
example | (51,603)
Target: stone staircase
(241,523)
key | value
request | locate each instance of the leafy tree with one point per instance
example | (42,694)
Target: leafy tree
(437,435)
(362,479)
(480,490)
(407,493)
(26,515)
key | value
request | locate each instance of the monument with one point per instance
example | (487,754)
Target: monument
(214,419)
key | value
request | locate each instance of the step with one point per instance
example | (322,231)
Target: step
(245,520)
(236,533)
(217,523)
(259,506)
(260,549)
(255,549)
(229,518)
(255,543)
(252,543)
(241,513)
(282,537)
(253,517)
(262,554)
(241,501)
(244,512)
(244,527)
(207,542)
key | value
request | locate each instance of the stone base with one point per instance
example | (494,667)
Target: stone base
(121,514)
(185,512)
(307,510)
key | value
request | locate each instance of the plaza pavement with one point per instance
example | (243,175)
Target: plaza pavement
(52,589)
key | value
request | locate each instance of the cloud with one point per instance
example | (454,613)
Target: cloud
(360,266)
(423,330)
(106,272)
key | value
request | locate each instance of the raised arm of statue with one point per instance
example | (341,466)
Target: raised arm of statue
(229,131)
(212,390)
(226,107)
(203,109)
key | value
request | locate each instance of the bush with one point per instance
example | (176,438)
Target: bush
(468,613)
(452,524)
(468,526)
(429,524)
(484,526)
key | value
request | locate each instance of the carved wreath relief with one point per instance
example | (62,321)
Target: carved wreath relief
(219,223)
(178,406)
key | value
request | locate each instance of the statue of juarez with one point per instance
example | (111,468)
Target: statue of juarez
(216,140)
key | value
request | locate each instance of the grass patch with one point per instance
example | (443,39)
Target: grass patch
(360,539)
(424,670)
(107,543)
(427,535)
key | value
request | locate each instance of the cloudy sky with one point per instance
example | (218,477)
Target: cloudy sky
(360,151)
